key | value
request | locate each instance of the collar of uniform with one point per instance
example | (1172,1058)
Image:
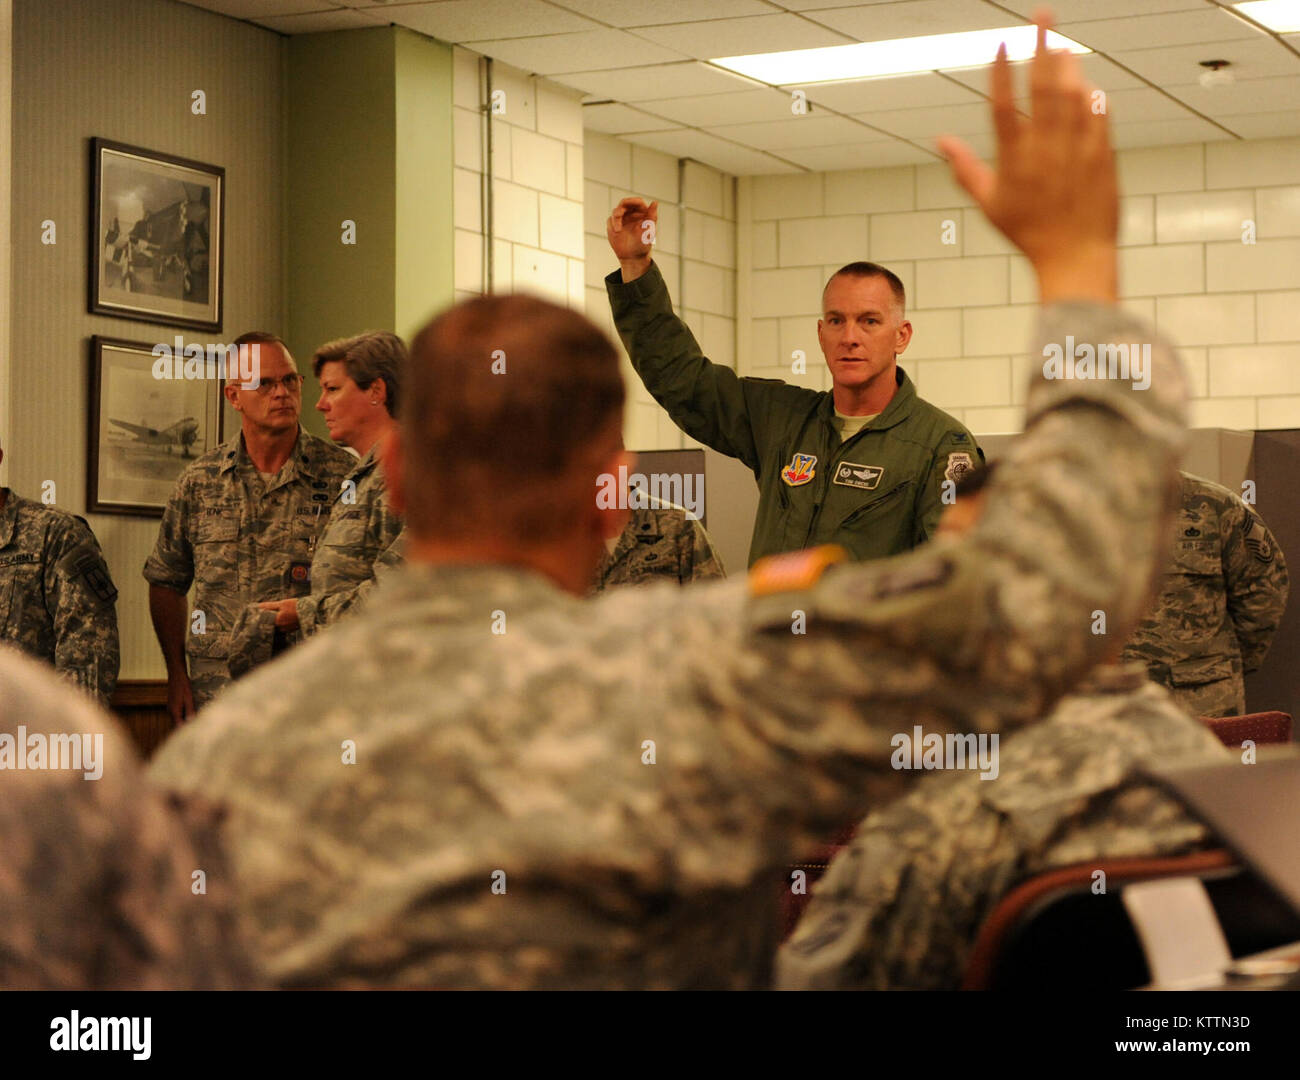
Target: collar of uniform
(900,405)
(451,591)
(1113,679)
(644,522)
(365,464)
(8,517)
(304,460)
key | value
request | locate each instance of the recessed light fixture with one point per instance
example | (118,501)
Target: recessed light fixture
(900,56)
(1280,16)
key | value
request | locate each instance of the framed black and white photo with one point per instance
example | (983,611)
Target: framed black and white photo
(157,224)
(144,429)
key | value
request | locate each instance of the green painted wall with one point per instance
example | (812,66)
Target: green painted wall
(369,141)
(425,277)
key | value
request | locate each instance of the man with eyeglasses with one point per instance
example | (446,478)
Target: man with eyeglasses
(241,526)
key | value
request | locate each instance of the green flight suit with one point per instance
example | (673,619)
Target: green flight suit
(878,493)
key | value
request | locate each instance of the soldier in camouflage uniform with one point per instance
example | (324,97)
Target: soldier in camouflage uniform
(57,601)
(1221,600)
(361,381)
(659,541)
(242,525)
(490,780)
(97,885)
(900,908)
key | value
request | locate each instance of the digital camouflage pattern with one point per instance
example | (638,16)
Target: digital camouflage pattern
(57,600)
(556,791)
(96,883)
(240,540)
(901,906)
(361,527)
(657,543)
(1221,600)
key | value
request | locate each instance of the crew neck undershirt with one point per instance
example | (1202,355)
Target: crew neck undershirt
(848,426)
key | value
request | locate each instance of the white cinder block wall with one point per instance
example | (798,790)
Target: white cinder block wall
(537,184)
(698,262)
(1233,307)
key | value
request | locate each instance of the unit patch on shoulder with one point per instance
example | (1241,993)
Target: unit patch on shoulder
(800,470)
(85,563)
(793,570)
(852,475)
(959,464)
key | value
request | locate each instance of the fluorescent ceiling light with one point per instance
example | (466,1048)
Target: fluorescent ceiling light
(1281,16)
(901,56)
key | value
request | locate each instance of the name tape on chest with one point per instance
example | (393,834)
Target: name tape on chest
(865,477)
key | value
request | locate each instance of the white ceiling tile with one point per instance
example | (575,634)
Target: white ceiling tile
(1152,31)
(465,20)
(927,123)
(1243,97)
(616,119)
(622,13)
(1134,106)
(737,160)
(914,18)
(591,50)
(633,84)
(256,9)
(1271,125)
(740,37)
(319,21)
(892,92)
(872,155)
(1251,58)
(810,5)
(1080,10)
(1165,133)
(797,131)
(708,110)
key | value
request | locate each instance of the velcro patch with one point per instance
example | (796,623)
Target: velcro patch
(958,465)
(793,570)
(924,575)
(866,477)
(86,565)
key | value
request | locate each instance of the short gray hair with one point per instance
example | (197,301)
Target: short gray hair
(376,354)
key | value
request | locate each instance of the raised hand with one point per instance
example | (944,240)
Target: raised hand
(631,234)
(1054,193)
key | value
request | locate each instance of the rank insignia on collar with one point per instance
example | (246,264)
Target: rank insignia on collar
(800,470)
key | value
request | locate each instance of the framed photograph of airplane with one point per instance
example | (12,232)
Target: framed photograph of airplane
(146,425)
(157,225)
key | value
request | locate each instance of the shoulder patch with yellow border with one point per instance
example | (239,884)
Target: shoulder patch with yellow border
(793,570)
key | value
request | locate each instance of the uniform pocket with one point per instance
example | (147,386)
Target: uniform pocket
(892,497)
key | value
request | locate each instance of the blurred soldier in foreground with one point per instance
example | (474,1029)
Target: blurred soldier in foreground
(900,908)
(57,601)
(491,781)
(242,524)
(97,886)
(360,387)
(1221,601)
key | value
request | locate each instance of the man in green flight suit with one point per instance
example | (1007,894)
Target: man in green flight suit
(865,465)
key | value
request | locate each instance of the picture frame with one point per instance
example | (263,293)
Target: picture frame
(134,460)
(157,236)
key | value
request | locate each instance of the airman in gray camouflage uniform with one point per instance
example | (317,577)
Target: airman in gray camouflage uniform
(490,780)
(57,601)
(240,536)
(361,382)
(1221,600)
(659,542)
(97,885)
(901,907)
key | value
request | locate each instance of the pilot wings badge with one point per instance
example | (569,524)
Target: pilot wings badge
(800,470)
(866,477)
